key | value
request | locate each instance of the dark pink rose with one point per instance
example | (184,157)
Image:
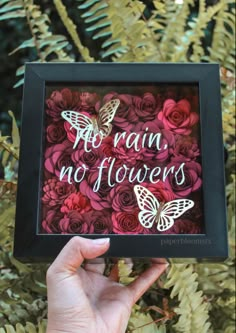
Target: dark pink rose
(76,201)
(126,223)
(158,143)
(186,147)
(184,226)
(184,182)
(99,222)
(107,146)
(99,199)
(146,108)
(88,101)
(51,221)
(74,223)
(91,159)
(125,114)
(58,156)
(128,155)
(62,100)
(56,132)
(55,192)
(177,116)
(123,198)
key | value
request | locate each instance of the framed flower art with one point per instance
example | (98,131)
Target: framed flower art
(129,151)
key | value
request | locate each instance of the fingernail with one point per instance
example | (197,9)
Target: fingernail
(101,241)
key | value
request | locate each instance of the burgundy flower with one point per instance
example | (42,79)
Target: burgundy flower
(55,192)
(177,116)
(99,222)
(186,182)
(51,221)
(125,114)
(126,223)
(184,226)
(56,132)
(88,101)
(77,202)
(99,199)
(91,159)
(146,108)
(62,100)
(57,156)
(123,198)
(74,223)
(158,144)
(186,147)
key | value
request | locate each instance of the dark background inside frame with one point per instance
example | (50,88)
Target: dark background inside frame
(177,91)
(138,88)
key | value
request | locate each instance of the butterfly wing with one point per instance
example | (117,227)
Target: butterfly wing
(105,117)
(148,205)
(81,123)
(171,211)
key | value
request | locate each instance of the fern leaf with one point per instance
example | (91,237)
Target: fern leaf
(71,28)
(192,311)
(11,5)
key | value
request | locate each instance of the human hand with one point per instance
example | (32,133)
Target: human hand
(83,300)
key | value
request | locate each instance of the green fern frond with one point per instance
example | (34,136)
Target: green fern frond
(71,28)
(49,47)
(28,328)
(192,311)
(222,49)
(128,35)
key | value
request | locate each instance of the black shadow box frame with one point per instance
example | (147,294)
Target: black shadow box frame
(29,245)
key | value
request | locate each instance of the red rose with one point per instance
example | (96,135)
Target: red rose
(62,100)
(76,202)
(55,192)
(126,223)
(123,198)
(177,116)
(56,132)
(51,221)
(74,223)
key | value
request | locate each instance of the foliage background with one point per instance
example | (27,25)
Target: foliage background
(190,297)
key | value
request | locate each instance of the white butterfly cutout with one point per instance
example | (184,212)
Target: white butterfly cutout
(153,211)
(89,128)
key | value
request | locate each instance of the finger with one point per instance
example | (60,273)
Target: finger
(159,261)
(145,280)
(75,251)
(95,265)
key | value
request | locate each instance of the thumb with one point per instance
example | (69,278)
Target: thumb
(75,251)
